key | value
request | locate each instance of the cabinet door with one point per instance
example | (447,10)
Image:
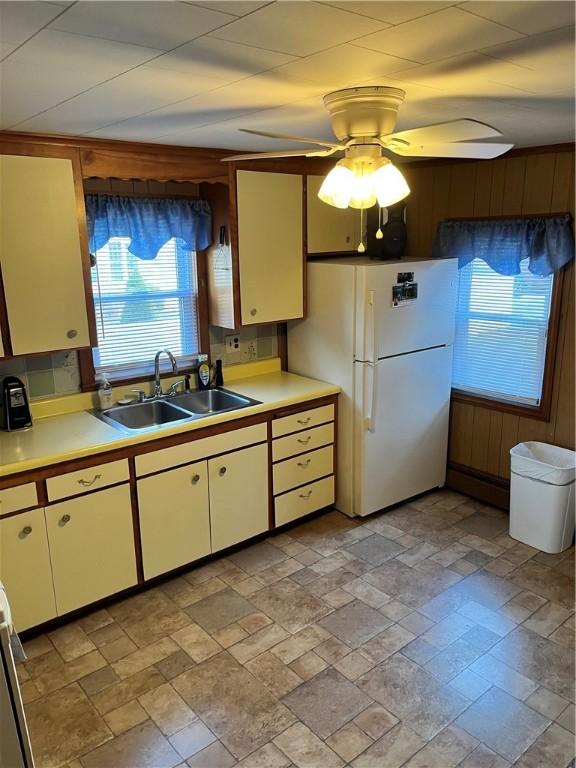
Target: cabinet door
(174,518)
(330,230)
(238,496)
(41,256)
(91,546)
(270,246)
(25,568)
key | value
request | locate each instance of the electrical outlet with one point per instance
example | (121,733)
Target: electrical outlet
(249,350)
(233,345)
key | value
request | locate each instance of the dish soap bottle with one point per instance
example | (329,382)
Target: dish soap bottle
(203,372)
(105,395)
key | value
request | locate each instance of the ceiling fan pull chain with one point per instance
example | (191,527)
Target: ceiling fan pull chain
(361,247)
(379,233)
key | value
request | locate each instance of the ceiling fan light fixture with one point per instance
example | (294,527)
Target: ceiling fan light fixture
(389,184)
(360,183)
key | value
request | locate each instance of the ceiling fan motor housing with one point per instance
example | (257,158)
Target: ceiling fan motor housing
(367,111)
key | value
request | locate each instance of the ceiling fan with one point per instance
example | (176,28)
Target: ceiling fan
(363,120)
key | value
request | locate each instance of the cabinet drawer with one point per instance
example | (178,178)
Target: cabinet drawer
(89,479)
(302,442)
(302,469)
(195,450)
(303,420)
(19,497)
(295,504)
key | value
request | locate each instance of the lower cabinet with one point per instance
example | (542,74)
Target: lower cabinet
(238,496)
(91,543)
(25,568)
(174,518)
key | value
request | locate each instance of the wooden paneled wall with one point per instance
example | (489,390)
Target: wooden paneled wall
(524,183)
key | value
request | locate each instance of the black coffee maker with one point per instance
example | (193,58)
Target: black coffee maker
(15,409)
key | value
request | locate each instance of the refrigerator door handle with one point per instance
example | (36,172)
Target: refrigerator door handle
(372,307)
(371,419)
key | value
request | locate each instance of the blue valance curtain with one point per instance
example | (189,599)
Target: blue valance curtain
(149,222)
(548,243)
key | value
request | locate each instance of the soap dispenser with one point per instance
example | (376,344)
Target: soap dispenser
(203,372)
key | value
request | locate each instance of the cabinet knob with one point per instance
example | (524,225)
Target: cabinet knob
(222,471)
(195,479)
(26,531)
(72,333)
(304,464)
(306,495)
(65,519)
(253,311)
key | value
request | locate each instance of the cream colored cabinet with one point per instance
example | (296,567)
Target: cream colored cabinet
(41,254)
(174,518)
(91,543)
(271,262)
(25,568)
(329,229)
(238,496)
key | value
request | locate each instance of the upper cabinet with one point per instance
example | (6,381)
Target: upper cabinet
(329,229)
(44,257)
(256,265)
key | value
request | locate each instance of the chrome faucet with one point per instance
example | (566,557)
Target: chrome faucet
(157,385)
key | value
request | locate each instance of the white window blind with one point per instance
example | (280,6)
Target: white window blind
(143,306)
(501,333)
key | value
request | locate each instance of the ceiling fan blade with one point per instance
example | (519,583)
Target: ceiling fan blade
(288,137)
(441,133)
(472,150)
(285,153)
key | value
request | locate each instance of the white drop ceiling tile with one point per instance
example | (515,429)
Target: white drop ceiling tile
(20,20)
(300,28)
(6,48)
(97,59)
(437,36)
(345,65)
(221,59)
(392,12)
(527,17)
(136,92)
(161,25)
(548,51)
(233,7)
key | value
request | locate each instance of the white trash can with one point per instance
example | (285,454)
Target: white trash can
(542,496)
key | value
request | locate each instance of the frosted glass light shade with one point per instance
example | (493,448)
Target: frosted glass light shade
(389,185)
(359,184)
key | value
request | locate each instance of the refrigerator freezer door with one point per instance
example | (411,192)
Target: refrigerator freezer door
(383,329)
(401,436)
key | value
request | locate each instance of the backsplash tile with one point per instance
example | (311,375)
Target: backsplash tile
(55,374)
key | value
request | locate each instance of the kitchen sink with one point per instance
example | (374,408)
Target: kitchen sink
(187,406)
(209,401)
(140,416)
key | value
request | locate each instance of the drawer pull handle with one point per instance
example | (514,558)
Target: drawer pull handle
(304,421)
(65,519)
(88,483)
(195,479)
(304,440)
(26,531)
(304,464)
(222,471)
(306,495)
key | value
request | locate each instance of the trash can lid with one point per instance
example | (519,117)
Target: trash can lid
(541,461)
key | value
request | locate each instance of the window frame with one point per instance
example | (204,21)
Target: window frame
(88,381)
(541,411)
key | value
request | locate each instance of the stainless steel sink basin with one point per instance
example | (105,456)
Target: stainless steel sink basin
(209,401)
(140,416)
(187,406)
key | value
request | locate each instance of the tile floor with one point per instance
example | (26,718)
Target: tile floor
(424,636)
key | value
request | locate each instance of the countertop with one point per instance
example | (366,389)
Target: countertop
(55,439)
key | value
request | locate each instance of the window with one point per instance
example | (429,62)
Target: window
(501,333)
(143,305)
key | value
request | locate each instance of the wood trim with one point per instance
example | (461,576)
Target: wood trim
(4,325)
(203,319)
(509,216)
(542,411)
(479,485)
(234,244)
(136,520)
(282,336)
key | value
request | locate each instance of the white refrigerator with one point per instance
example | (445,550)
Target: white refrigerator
(384,332)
